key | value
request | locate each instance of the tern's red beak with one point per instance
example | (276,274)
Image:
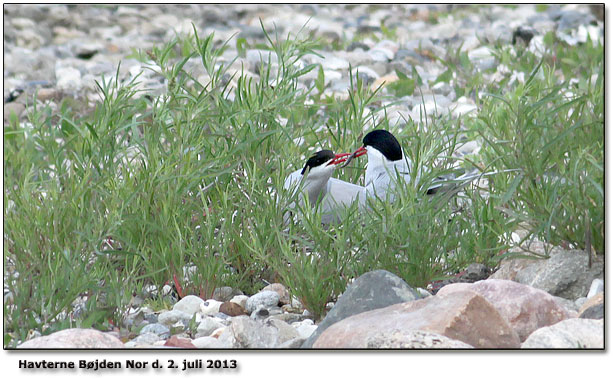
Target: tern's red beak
(359,152)
(339,158)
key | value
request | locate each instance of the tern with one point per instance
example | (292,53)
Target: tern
(387,164)
(316,182)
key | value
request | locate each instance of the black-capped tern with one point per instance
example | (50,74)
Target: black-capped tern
(315,181)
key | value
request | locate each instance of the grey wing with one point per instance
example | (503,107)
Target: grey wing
(342,193)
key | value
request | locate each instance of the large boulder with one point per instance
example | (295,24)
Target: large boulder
(74,338)
(525,308)
(571,333)
(464,315)
(372,290)
(566,273)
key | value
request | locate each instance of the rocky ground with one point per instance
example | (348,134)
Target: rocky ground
(60,51)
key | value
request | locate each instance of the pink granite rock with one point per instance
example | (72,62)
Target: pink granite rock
(525,308)
(465,316)
(74,338)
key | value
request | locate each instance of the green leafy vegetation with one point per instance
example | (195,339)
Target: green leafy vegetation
(141,188)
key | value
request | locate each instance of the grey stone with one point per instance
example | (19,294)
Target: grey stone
(593,312)
(171,317)
(158,329)
(289,317)
(87,50)
(146,338)
(358,45)
(207,326)
(571,333)
(281,291)
(483,58)
(286,332)
(260,313)
(580,301)
(475,272)
(573,19)
(564,274)
(266,298)
(292,343)
(366,74)
(381,54)
(372,290)
(567,304)
(255,57)
(247,333)
(225,293)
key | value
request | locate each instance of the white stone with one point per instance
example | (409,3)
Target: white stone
(210,307)
(189,304)
(462,108)
(483,52)
(381,54)
(207,326)
(68,78)
(306,330)
(331,75)
(596,287)
(571,333)
(207,342)
(171,317)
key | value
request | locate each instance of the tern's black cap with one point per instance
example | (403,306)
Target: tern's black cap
(385,143)
(317,159)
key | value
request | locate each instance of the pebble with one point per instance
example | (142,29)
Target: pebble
(281,291)
(158,329)
(240,300)
(189,304)
(207,326)
(146,338)
(68,78)
(225,293)
(210,307)
(305,330)
(207,342)
(266,298)
(232,309)
(171,317)
(596,287)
